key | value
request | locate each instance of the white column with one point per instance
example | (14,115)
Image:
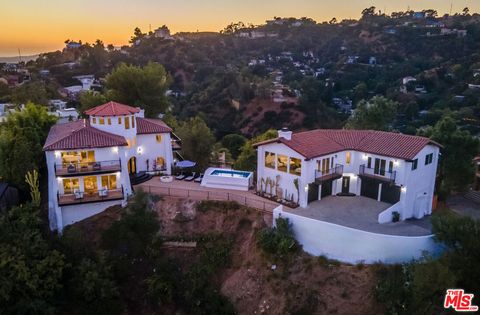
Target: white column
(379,191)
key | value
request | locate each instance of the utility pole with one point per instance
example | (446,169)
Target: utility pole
(451,7)
(19,55)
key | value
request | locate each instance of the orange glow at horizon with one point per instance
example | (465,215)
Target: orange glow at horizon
(35,26)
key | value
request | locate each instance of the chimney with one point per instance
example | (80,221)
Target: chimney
(285,133)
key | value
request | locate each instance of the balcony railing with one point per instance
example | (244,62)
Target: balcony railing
(379,173)
(330,174)
(66,169)
(79,197)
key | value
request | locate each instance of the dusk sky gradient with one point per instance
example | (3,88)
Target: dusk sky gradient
(35,26)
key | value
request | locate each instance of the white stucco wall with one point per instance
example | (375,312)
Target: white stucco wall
(353,246)
(76,213)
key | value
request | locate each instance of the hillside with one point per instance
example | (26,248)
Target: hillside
(304,285)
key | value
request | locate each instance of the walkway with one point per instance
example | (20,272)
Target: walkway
(192,190)
(361,213)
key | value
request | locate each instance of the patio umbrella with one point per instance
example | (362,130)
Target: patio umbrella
(185,164)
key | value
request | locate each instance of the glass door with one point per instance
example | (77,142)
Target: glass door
(90,183)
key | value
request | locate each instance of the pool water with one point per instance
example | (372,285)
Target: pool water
(227,173)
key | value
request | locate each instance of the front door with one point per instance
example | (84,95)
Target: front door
(132,165)
(346,184)
(312,192)
(326,189)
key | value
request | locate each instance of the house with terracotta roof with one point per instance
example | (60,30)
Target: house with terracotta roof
(90,161)
(394,169)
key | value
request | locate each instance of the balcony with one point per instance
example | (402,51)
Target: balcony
(86,168)
(377,173)
(330,174)
(80,197)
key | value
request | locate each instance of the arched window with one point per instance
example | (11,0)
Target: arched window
(160,163)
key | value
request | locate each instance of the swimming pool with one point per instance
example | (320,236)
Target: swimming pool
(230,173)
(227,179)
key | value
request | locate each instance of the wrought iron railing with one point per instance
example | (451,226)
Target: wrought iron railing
(330,173)
(379,173)
(99,195)
(87,167)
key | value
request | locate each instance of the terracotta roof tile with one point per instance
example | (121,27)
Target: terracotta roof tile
(320,142)
(112,109)
(148,126)
(80,135)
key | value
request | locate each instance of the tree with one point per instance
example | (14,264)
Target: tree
(139,86)
(377,114)
(368,12)
(137,35)
(460,147)
(90,99)
(247,160)
(233,142)
(34,92)
(30,271)
(21,141)
(197,141)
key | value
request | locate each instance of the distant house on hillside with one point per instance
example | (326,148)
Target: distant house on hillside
(66,114)
(162,32)
(73,45)
(86,80)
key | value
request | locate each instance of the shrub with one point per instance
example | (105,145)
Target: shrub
(278,241)
(395,216)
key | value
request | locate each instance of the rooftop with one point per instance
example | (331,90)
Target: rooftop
(112,109)
(320,142)
(148,126)
(80,135)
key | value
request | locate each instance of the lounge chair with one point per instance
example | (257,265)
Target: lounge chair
(199,178)
(191,177)
(78,194)
(181,176)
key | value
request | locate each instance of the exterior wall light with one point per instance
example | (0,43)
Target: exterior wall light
(306,188)
(404,189)
(57,154)
(139,150)
(115,149)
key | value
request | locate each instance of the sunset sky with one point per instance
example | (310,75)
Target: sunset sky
(35,26)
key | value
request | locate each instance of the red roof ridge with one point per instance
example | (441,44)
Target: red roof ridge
(320,142)
(111,108)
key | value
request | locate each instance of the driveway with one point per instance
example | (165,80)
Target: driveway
(361,213)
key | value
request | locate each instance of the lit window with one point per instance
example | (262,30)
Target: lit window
(282,162)
(101,121)
(70,185)
(134,141)
(109,121)
(133,121)
(129,143)
(159,138)
(369,162)
(270,160)
(127,123)
(160,163)
(109,181)
(119,120)
(295,166)
(349,156)
(94,120)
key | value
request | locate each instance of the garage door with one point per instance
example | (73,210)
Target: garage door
(327,189)
(369,188)
(390,193)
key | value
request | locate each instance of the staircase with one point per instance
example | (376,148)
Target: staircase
(473,196)
(139,178)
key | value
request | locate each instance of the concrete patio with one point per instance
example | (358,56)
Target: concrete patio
(361,213)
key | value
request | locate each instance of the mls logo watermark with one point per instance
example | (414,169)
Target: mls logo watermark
(459,301)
